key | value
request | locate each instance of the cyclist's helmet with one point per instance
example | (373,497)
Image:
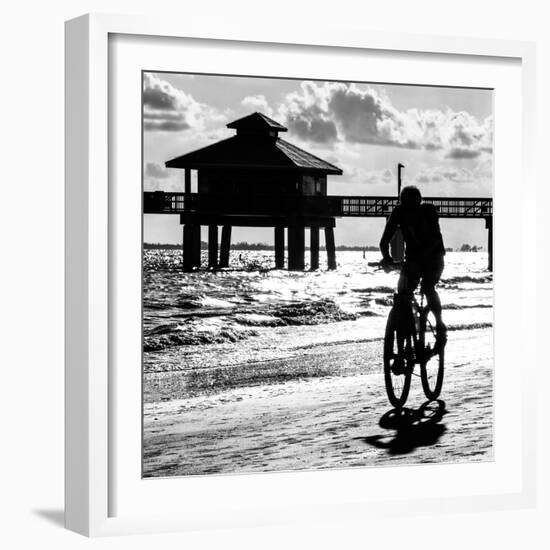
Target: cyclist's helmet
(410,196)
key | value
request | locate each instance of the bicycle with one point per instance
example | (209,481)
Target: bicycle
(410,339)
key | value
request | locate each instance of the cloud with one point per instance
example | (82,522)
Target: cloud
(168,109)
(307,114)
(467,137)
(330,112)
(363,116)
(482,172)
(257,103)
(368,177)
(439,174)
(319,131)
(155,170)
(387,176)
(158,178)
(484,169)
(167,185)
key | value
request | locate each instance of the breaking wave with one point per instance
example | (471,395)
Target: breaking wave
(252,312)
(318,312)
(195,338)
(460,279)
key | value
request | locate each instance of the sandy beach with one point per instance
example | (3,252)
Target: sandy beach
(339,417)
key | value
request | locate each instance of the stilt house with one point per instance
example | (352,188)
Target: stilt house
(256,179)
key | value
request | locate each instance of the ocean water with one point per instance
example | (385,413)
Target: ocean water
(252,314)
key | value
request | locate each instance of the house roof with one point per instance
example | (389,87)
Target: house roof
(257,122)
(255,148)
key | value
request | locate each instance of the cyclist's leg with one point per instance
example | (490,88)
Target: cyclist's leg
(430,277)
(408,281)
(434,303)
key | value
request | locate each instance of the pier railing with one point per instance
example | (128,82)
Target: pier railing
(160,202)
(452,207)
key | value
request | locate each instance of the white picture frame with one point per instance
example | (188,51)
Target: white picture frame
(91,400)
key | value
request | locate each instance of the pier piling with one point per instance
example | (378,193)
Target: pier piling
(196,245)
(296,247)
(331,249)
(279,247)
(188,257)
(489,226)
(314,247)
(213,246)
(225,246)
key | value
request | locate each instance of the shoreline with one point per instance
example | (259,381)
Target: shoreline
(330,421)
(318,360)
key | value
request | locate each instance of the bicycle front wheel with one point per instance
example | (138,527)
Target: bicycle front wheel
(398,361)
(432,365)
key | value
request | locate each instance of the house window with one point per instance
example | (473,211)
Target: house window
(308,185)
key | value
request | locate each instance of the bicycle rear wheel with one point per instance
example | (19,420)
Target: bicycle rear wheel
(398,361)
(432,365)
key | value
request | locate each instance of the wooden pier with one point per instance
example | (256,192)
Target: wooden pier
(257,179)
(295,214)
(159,202)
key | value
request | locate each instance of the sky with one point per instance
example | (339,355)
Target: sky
(443,136)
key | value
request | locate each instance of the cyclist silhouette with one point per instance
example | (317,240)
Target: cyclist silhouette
(424,251)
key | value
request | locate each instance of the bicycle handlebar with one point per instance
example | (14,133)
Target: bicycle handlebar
(383,265)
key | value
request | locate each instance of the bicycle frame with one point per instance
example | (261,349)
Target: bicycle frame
(413,314)
(407,328)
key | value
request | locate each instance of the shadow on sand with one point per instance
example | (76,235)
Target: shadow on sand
(412,428)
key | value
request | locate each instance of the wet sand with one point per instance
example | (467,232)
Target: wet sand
(339,419)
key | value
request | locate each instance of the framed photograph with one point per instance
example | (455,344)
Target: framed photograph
(294,275)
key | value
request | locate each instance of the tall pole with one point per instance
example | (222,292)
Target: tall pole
(489,226)
(397,244)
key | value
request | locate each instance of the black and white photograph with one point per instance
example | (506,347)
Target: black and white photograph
(317,265)
(274,276)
